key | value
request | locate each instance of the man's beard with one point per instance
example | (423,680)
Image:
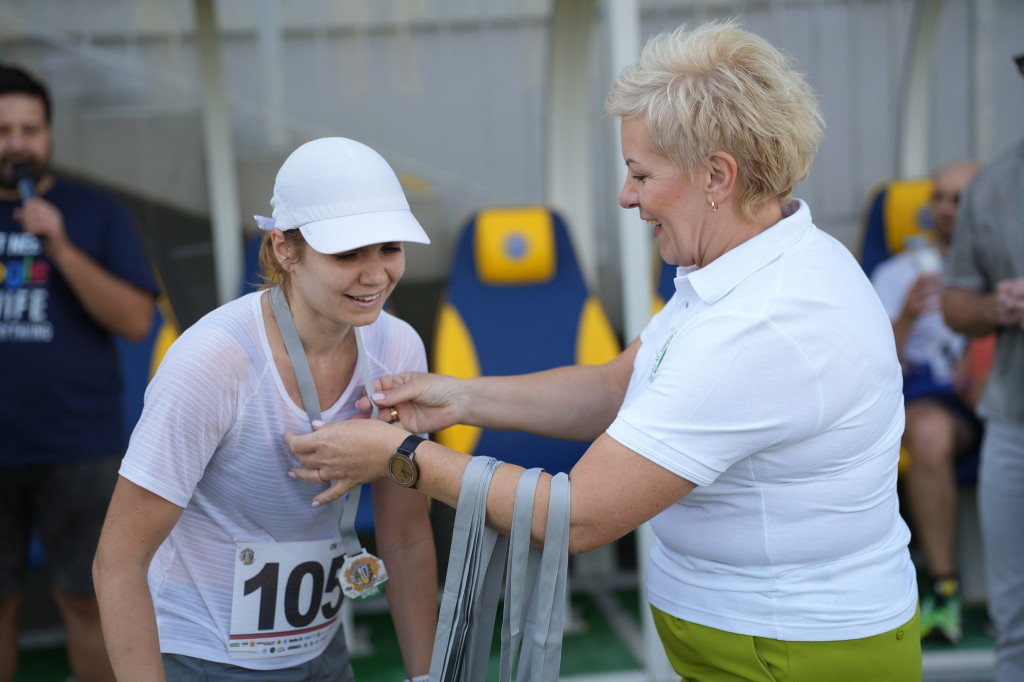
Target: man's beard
(38,168)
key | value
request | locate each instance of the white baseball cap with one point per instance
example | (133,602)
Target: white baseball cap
(341,195)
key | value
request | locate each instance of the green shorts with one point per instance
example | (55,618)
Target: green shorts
(702,654)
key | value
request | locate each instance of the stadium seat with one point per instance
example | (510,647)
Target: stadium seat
(138,362)
(516,302)
(893,212)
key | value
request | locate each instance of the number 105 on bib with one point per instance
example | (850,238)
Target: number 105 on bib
(285,598)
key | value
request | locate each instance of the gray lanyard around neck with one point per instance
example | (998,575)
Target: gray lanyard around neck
(534,584)
(311,402)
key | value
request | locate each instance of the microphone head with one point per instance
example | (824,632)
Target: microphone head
(24,180)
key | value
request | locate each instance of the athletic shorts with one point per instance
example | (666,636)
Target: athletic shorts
(66,505)
(969,434)
(333,665)
(702,654)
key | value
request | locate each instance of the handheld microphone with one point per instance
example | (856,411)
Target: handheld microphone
(26,183)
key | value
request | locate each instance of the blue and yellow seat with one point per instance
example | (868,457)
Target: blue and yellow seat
(139,360)
(893,212)
(516,302)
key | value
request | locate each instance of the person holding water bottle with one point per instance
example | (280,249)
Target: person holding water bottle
(941,423)
(212,562)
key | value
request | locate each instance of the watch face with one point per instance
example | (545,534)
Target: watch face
(403,470)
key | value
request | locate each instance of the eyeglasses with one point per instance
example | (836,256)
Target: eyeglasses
(1020,62)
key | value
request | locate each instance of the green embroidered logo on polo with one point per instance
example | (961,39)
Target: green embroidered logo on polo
(660,356)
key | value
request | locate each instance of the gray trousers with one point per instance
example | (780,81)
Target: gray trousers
(332,665)
(1001,507)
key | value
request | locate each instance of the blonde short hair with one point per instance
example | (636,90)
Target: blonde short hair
(721,88)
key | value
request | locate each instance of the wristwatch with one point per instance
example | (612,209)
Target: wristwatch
(401,466)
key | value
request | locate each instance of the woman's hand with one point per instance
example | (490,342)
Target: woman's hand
(347,454)
(424,402)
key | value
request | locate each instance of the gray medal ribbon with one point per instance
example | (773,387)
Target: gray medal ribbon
(534,584)
(473,544)
(311,403)
(522,571)
(542,637)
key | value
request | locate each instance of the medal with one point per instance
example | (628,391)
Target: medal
(362,576)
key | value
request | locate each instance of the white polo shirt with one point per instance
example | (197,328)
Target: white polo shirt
(770,380)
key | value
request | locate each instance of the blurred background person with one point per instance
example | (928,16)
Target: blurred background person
(984,293)
(941,424)
(75,275)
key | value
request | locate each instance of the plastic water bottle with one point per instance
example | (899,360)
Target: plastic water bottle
(926,256)
(929,264)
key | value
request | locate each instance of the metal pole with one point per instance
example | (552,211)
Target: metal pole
(268,37)
(622,19)
(983,26)
(915,103)
(568,127)
(635,247)
(222,182)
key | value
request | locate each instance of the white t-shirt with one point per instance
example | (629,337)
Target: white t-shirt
(211,440)
(770,380)
(929,343)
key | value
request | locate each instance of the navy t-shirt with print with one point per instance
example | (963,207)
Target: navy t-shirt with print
(61,382)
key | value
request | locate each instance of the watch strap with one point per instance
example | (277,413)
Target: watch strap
(409,445)
(406,452)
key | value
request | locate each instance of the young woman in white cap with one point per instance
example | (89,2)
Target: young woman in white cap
(212,564)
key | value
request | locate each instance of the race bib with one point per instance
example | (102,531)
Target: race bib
(286,597)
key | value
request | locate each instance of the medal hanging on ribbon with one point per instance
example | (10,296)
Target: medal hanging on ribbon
(362,575)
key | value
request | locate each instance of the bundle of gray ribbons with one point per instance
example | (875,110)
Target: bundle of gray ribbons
(531,629)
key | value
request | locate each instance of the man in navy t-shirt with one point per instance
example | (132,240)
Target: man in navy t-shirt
(73,274)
